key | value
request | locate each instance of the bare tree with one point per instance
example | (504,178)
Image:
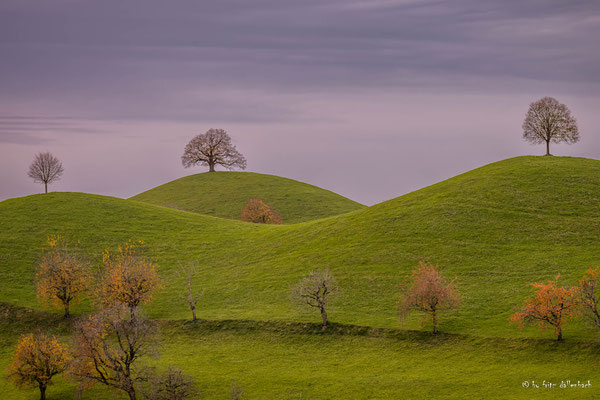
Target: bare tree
(212,148)
(172,384)
(315,290)
(549,121)
(46,169)
(191,297)
(236,392)
(108,347)
(590,296)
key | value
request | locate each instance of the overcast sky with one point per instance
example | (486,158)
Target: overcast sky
(370,99)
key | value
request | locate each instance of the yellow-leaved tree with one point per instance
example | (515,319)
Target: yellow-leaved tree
(38,358)
(62,275)
(129,278)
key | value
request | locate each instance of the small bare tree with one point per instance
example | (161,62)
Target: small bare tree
(108,347)
(212,148)
(315,291)
(191,297)
(45,169)
(236,392)
(549,121)
(172,384)
(590,296)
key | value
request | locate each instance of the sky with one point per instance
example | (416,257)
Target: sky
(370,99)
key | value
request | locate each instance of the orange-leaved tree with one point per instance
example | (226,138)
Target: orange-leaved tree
(37,360)
(590,296)
(259,212)
(428,292)
(551,305)
(61,276)
(129,278)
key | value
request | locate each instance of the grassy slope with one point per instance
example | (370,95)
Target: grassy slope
(497,228)
(294,361)
(224,194)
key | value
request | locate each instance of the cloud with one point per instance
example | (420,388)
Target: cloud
(35,130)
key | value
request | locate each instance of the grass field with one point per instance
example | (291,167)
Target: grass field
(496,228)
(224,194)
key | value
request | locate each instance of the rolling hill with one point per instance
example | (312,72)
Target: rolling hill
(497,228)
(224,194)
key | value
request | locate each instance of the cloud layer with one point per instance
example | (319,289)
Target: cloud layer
(329,81)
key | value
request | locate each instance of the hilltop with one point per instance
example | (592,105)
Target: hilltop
(224,194)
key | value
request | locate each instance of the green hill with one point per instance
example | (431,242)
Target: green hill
(496,228)
(224,194)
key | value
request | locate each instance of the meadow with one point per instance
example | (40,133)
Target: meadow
(496,228)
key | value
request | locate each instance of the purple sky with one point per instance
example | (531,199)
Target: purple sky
(370,99)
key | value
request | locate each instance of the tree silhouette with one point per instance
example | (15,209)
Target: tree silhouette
(212,148)
(549,121)
(46,169)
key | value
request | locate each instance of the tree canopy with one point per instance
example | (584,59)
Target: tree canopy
(212,148)
(45,169)
(549,121)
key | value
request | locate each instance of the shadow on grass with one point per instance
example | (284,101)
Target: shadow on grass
(424,338)
(15,320)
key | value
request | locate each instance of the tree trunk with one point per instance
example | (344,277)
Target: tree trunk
(193,313)
(559,334)
(133,313)
(548,148)
(45,187)
(131,394)
(434,318)
(211,166)
(324,316)
(42,392)
(66,304)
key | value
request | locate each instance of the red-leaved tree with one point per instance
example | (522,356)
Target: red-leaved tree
(551,305)
(428,292)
